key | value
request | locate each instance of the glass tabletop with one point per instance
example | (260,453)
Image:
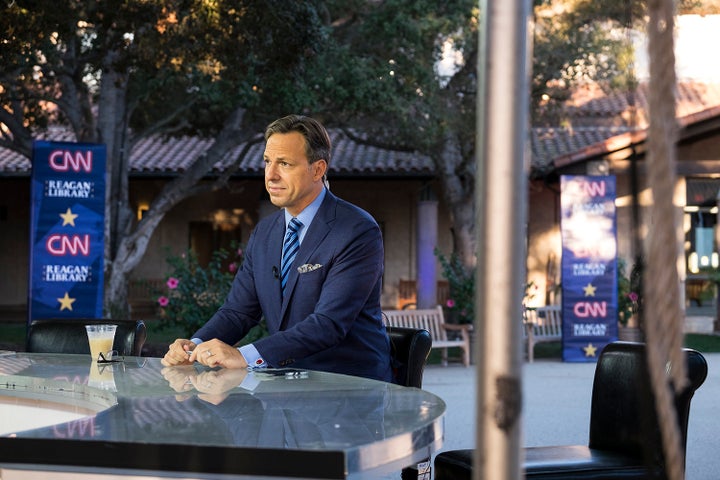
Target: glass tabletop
(135,414)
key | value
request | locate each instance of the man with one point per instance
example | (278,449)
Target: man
(327,317)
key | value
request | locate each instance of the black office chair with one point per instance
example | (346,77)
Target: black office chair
(68,335)
(625,438)
(409,350)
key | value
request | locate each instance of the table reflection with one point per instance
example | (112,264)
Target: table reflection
(204,420)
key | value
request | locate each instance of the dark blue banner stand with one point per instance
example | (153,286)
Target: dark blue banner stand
(589,266)
(67,230)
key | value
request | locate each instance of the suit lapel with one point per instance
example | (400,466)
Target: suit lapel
(318,230)
(275,242)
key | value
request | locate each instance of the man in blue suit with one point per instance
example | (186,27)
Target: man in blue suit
(328,316)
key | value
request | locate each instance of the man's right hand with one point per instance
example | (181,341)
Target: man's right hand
(178,353)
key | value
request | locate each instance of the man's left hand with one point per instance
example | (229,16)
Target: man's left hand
(215,353)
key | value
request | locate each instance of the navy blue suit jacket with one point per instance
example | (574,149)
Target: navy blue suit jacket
(330,318)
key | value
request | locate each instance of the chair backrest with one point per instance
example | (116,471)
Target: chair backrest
(68,335)
(409,349)
(623,417)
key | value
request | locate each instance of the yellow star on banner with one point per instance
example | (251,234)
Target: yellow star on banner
(66,302)
(589,290)
(590,350)
(69,217)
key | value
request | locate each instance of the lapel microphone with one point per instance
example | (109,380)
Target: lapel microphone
(275,272)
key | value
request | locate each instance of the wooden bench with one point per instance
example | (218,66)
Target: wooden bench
(433,321)
(542,324)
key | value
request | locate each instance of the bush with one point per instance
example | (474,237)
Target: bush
(461,281)
(629,291)
(194,293)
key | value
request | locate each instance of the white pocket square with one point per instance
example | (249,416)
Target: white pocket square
(308,268)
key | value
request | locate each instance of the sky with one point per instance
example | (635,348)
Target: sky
(696,49)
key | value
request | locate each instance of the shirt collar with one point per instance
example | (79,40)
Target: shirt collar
(308,214)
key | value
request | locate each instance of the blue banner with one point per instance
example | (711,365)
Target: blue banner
(67,227)
(589,265)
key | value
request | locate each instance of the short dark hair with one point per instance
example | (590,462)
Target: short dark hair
(317,140)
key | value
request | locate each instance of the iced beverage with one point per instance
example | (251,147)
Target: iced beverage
(101,339)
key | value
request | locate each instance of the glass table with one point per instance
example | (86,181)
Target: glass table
(135,417)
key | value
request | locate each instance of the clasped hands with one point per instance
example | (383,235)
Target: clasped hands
(213,353)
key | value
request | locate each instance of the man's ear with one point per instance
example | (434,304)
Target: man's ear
(320,167)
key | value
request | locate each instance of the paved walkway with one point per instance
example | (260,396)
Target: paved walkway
(556,409)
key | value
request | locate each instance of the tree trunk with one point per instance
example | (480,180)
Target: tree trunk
(131,249)
(112,127)
(132,240)
(464,233)
(458,184)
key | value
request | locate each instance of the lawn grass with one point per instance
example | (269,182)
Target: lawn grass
(703,343)
(700,342)
(12,333)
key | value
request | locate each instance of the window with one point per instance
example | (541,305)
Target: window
(701,214)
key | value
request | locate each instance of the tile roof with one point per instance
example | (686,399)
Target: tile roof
(603,122)
(547,144)
(624,140)
(590,106)
(161,156)
(598,120)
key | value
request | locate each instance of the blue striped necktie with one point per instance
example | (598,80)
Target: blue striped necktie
(290,249)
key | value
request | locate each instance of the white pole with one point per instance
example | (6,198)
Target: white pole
(501,199)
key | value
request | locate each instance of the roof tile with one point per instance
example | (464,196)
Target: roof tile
(158,155)
(596,117)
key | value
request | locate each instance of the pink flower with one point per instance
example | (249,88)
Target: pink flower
(172,283)
(450,303)
(239,252)
(163,301)
(232,267)
(633,296)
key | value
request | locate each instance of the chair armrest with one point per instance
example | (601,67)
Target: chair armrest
(463,329)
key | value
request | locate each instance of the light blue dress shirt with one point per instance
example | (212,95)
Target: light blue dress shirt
(249,352)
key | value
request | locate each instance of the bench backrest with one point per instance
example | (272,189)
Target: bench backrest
(430,319)
(547,321)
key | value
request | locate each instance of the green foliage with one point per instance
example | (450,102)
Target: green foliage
(713,274)
(529,293)
(629,291)
(381,75)
(578,41)
(179,66)
(461,281)
(193,293)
